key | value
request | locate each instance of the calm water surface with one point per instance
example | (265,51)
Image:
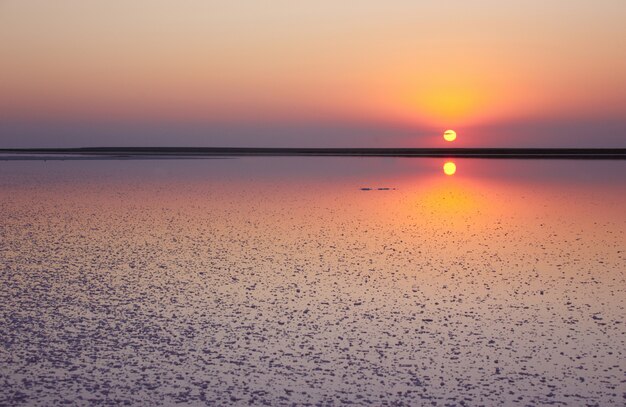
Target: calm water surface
(297,280)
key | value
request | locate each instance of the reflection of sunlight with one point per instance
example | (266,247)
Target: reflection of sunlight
(449,168)
(449,200)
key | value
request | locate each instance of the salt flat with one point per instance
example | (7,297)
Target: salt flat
(315,281)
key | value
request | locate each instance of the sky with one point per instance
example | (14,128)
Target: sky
(365,73)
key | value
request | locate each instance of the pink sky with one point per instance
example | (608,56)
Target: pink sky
(312,73)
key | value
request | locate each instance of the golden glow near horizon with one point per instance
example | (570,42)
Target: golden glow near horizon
(449,135)
(449,168)
(321,61)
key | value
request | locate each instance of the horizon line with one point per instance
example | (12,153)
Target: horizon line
(436,152)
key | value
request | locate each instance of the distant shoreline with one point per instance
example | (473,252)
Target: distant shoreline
(212,152)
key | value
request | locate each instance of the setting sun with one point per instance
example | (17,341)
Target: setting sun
(449,168)
(449,135)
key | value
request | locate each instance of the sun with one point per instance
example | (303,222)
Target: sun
(449,135)
(449,168)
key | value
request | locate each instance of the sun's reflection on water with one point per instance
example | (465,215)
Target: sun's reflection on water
(449,168)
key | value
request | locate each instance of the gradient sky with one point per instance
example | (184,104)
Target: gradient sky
(315,73)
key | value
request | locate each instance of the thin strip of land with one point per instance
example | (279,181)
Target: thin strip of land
(208,152)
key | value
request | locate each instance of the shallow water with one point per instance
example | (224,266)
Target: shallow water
(280,280)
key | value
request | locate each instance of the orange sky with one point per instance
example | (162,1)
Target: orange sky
(428,64)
